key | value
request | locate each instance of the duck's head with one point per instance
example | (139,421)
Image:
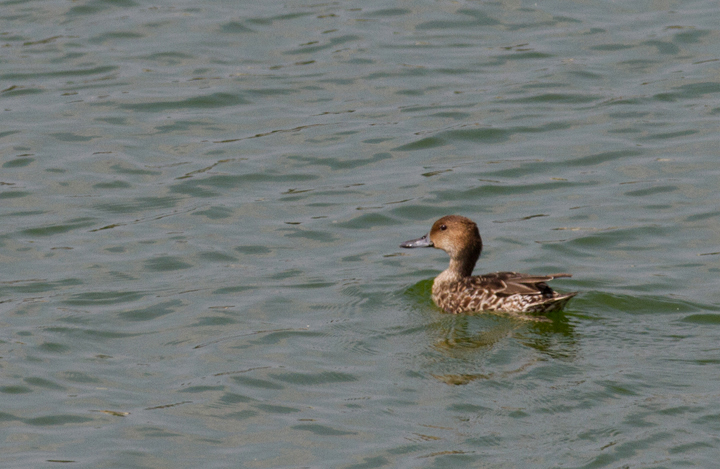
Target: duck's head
(458,236)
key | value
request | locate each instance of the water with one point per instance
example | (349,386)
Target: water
(202,203)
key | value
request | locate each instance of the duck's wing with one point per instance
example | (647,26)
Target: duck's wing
(513,283)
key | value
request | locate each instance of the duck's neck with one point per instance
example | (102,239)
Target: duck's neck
(458,269)
(463,257)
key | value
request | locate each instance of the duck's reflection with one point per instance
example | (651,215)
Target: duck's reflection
(495,344)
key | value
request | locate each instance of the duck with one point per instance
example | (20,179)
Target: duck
(456,290)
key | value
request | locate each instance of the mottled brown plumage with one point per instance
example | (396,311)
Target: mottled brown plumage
(456,291)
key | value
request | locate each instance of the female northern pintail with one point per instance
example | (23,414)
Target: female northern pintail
(457,291)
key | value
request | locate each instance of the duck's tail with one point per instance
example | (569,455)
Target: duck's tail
(549,305)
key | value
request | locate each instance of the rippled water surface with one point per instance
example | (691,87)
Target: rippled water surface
(202,202)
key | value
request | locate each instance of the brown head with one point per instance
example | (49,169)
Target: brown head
(458,236)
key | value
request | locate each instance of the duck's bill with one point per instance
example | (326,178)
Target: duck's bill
(423,242)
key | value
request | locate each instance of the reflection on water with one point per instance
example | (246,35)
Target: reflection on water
(469,339)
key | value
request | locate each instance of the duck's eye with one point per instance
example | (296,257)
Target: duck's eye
(443,227)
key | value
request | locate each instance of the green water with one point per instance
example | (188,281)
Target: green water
(201,206)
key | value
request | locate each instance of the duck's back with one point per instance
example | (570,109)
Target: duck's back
(500,291)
